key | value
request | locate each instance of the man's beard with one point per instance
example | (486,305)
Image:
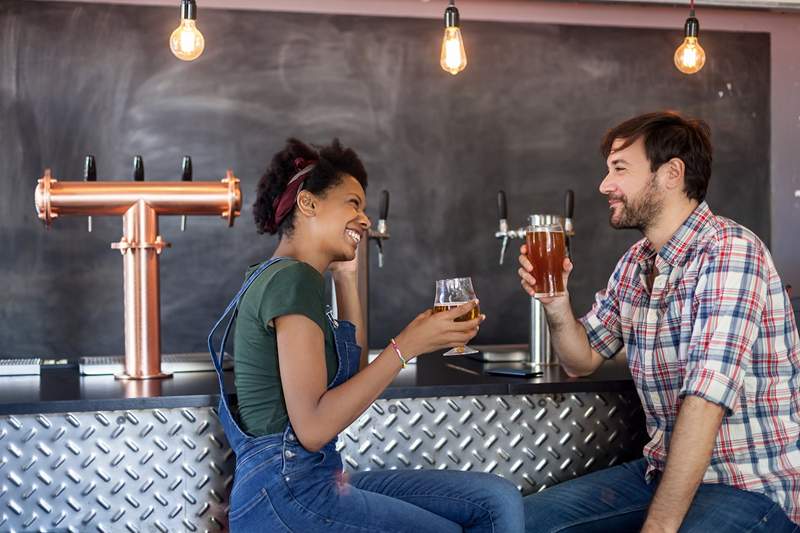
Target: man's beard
(640,213)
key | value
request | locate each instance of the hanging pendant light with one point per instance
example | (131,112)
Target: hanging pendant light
(453,58)
(186,42)
(690,56)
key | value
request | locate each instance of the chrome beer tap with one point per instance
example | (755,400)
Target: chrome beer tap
(378,235)
(503,232)
(540,350)
(382,233)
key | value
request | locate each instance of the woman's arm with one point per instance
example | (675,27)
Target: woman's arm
(349,306)
(318,415)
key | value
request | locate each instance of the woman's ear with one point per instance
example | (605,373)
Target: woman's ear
(306,203)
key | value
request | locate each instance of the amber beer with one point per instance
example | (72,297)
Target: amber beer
(472,314)
(546,253)
(452,293)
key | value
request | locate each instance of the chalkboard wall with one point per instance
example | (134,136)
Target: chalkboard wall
(525,116)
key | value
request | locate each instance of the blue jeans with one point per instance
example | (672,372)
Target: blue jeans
(616,499)
(280,487)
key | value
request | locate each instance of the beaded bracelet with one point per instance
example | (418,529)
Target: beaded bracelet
(399,354)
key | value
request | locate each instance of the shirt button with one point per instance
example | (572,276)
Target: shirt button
(289,454)
(659,281)
(290,437)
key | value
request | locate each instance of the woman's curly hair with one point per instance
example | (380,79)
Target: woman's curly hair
(333,163)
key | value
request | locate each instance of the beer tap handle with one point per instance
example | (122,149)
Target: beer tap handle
(138,168)
(569,203)
(89,174)
(382,228)
(502,214)
(502,211)
(384,213)
(186,175)
(569,211)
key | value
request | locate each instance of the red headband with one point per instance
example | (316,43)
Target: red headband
(284,203)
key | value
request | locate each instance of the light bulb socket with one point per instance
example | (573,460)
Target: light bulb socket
(188,10)
(692,26)
(451,17)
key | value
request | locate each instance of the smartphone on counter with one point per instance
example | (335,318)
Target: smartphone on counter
(519,372)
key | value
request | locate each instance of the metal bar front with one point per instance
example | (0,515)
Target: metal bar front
(170,469)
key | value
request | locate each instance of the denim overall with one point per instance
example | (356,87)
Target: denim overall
(269,467)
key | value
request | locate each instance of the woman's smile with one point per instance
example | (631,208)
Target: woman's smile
(354,235)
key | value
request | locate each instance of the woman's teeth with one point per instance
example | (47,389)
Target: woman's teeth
(354,235)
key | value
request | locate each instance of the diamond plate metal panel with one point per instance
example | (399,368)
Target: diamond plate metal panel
(535,440)
(170,469)
(150,470)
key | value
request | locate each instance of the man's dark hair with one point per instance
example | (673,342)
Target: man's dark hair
(666,135)
(333,163)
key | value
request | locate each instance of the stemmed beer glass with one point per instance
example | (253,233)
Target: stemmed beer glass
(452,293)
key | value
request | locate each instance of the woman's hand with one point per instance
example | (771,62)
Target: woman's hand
(344,267)
(430,332)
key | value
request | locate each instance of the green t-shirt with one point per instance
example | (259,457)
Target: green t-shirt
(288,287)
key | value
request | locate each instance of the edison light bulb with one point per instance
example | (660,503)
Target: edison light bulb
(186,42)
(690,56)
(453,58)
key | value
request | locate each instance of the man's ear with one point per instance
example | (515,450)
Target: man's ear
(674,172)
(306,203)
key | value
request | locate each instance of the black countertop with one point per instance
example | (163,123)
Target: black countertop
(64,389)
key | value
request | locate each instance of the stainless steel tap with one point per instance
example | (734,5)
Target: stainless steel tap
(382,232)
(540,350)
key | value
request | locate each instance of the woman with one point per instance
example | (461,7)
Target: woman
(301,377)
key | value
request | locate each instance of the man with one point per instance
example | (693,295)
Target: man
(711,344)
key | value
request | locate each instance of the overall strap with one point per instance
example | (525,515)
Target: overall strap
(232,310)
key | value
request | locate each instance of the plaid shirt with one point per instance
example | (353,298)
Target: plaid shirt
(717,324)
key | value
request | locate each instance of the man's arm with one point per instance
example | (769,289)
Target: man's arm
(569,336)
(570,340)
(729,295)
(690,450)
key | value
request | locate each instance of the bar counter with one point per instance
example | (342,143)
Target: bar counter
(63,389)
(92,452)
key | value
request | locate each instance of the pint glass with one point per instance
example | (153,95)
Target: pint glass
(546,251)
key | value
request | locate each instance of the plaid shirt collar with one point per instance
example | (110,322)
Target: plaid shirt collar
(675,251)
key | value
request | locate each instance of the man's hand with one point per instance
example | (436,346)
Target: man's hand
(528,281)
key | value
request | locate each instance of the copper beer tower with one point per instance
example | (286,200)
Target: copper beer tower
(140,204)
